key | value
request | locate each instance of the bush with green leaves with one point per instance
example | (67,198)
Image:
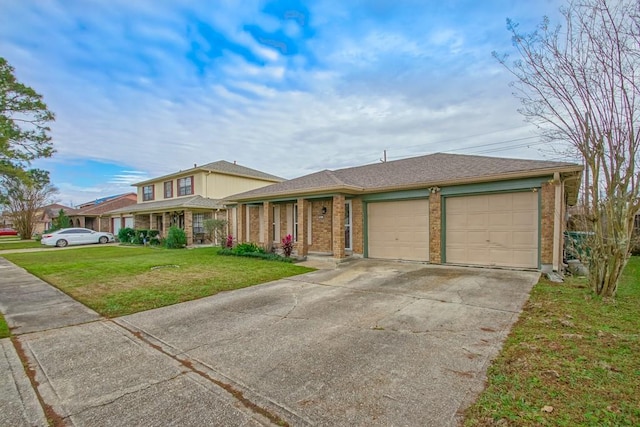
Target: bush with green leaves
(260,255)
(245,248)
(176,238)
(126,235)
(143,236)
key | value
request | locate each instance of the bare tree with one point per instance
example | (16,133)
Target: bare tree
(24,196)
(579,83)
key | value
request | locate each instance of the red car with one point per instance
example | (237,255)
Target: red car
(8,232)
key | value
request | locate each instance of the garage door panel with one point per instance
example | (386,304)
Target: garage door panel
(493,229)
(398,230)
(499,220)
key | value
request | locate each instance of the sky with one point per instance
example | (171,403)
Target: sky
(146,88)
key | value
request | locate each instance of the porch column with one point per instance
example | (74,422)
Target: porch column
(166,223)
(188,226)
(267,225)
(151,222)
(242,221)
(337,227)
(303,218)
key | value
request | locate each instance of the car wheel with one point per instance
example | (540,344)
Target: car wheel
(103,239)
(61,243)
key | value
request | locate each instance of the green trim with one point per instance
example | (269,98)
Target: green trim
(397,195)
(365,229)
(495,187)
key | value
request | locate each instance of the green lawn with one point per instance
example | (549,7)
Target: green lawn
(4,328)
(21,244)
(116,281)
(571,359)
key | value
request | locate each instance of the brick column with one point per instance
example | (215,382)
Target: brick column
(267,226)
(242,223)
(547,211)
(166,223)
(435,228)
(303,217)
(188,226)
(338,227)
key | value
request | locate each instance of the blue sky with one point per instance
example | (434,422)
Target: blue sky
(145,88)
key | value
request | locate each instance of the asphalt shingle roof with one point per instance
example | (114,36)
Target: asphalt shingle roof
(193,202)
(432,169)
(224,167)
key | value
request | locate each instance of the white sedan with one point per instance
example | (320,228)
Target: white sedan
(75,236)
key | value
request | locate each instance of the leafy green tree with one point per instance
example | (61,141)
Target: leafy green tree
(215,230)
(176,238)
(24,118)
(23,196)
(61,221)
(580,83)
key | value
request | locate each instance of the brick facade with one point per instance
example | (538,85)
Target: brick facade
(357,225)
(547,210)
(302,246)
(321,226)
(435,227)
(188,226)
(254,225)
(338,226)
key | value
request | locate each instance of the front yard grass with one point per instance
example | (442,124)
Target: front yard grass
(571,359)
(21,244)
(4,328)
(115,281)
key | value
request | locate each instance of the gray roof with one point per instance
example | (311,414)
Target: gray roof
(223,167)
(192,202)
(424,171)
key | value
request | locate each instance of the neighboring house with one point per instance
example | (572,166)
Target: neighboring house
(187,198)
(46,215)
(441,208)
(93,215)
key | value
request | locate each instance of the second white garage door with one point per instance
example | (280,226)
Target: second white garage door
(398,230)
(493,230)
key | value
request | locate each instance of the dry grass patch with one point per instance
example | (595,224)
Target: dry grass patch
(116,281)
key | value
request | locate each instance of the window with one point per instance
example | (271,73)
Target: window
(147,193)
(185,186)
(198,223)
(168,189)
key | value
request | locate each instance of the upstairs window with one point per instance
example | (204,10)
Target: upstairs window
(168,189)
(185,186)
(147,193)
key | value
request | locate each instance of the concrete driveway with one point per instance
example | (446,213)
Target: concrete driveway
(368,343)
(371,343)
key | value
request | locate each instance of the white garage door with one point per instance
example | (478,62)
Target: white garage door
(117,224)
(128,222)
(398,230)
(493,230)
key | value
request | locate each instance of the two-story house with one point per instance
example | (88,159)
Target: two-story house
(188,197)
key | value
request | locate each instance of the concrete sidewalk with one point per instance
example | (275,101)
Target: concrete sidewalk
(92,372)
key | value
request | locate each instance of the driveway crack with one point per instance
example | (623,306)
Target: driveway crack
(229,388)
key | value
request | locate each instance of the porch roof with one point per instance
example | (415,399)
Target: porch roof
(191,202)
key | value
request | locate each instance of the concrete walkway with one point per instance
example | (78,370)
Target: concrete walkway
(364,343)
